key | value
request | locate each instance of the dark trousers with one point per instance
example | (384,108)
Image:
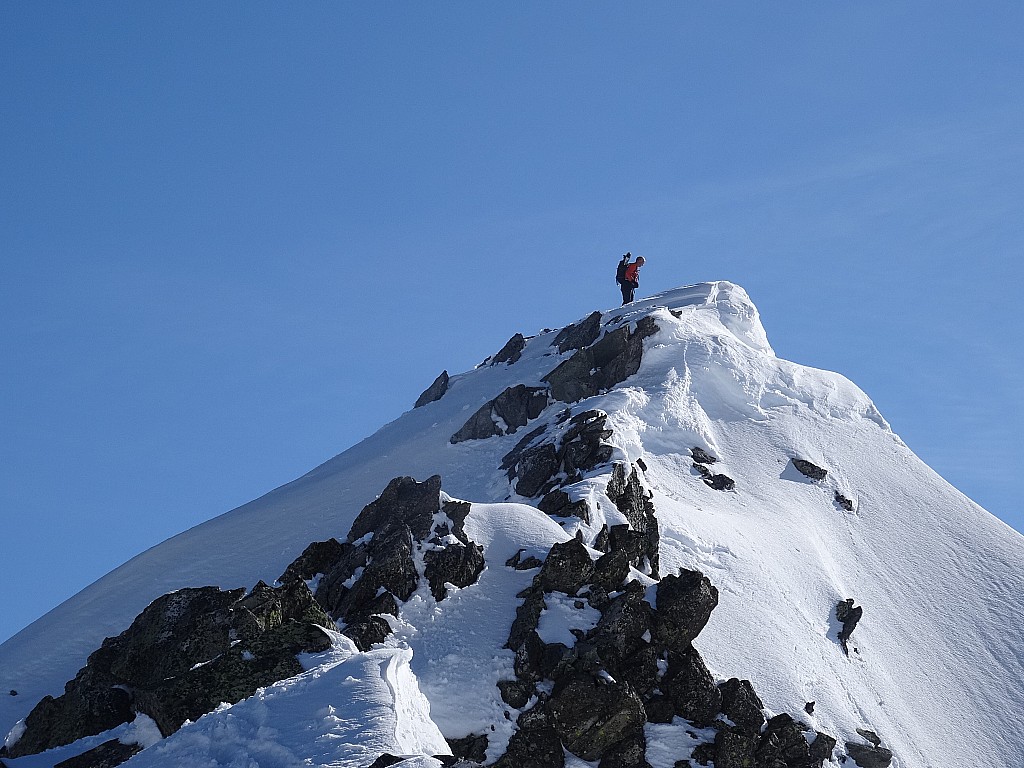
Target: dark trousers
(628,289)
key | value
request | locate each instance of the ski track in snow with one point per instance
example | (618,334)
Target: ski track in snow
(935,664)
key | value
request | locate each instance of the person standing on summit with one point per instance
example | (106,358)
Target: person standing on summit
(630,278)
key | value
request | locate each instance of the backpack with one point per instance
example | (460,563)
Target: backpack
(620,272)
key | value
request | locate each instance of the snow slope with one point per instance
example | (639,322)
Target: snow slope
(938,662)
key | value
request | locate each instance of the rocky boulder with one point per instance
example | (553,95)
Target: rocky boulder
(690,687)
(434,392)
(849,616)
(869,755)
(456,564)
(684,604)
(591,715)
(535,744)
(106,755)
(403,500)
(740,703)
(567,568)
(505,414)
(632,499)
(579,335)
(511,352)
(597,368)
(807,469)
(555,456)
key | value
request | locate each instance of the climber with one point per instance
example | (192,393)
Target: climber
(630,279)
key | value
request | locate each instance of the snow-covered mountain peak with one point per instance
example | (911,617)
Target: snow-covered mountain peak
(660,438)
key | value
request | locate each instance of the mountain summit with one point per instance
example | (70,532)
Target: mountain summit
(640,540)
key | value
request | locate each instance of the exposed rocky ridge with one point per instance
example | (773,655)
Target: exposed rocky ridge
(184,654)
(638,664)
(600,366)
(193,649)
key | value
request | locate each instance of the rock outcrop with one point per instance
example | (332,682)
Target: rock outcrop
(434,392)
(558,455)
(512,409)
(849,616)
(636,665)
(597,368)
(186,653)
(807,469)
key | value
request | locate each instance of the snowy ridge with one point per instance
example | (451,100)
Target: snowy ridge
(936,665)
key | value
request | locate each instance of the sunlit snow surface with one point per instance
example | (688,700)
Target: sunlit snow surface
(937,663)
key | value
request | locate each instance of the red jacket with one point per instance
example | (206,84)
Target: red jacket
(633,273)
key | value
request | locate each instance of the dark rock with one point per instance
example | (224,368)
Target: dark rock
(557,504)
(684,604)
(534,745)
(783,743)
(809,707)
(390,565)
(535,470)
(107,755)
(611,569)
(700,456)
(719,481)
(527,618)
(690,687)
(579,335)
(567,568)
(457,512)
(368,632)
(597,368)
(659,709)
(620,633)
(317,558)
(512,350)
(472,747)
(571,446)
(842,502)
(869,736)
(404,500)
(434,392)
(523,564)
(505,414)
(631,752)
(849,616)
(515,693)
(807,469)
(455,564)
(735,749)
(385,760)
(821,749)
(741,705)
(602,542)
(703,754)
(869,755)
(630,497)
(528,663)
(179,660)
(590,715)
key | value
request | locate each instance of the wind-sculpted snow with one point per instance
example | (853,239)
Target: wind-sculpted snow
(934,667)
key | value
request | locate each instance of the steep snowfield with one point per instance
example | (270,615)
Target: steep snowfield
(935,666)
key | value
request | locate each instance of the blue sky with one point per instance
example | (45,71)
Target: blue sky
(237,238)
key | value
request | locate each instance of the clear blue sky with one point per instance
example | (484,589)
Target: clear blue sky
(236,238)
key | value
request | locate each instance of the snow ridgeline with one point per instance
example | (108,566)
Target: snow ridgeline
(783,550)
